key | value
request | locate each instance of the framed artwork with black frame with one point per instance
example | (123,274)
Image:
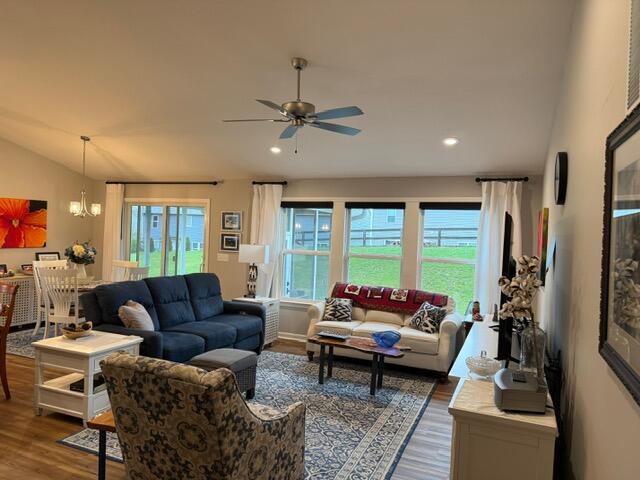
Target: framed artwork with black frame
(42,256)
(229,242)
(231,221)
(619,341)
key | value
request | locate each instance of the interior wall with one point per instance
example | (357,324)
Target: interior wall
(602,420)
(27,175)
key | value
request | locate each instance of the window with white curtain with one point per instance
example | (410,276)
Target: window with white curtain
(307,247)
(373,254)
(449,241)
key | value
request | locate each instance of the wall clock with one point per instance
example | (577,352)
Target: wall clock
(561,175)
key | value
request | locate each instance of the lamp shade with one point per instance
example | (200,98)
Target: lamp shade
(253,253)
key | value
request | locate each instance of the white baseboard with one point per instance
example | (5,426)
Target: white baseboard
(298,337)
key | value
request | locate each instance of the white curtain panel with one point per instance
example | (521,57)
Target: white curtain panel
(112,246)
(265,221)
(498,198)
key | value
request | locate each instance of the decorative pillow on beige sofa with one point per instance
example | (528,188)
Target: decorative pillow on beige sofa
(134,315)
(428,318)
(337,310)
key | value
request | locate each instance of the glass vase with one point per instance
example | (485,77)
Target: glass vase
(533,341)
(82,272)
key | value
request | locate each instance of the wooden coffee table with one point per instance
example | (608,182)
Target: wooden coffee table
(366,345)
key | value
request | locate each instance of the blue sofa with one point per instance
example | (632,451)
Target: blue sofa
(188,314)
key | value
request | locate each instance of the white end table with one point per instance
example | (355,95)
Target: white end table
(81,359)
(273,315)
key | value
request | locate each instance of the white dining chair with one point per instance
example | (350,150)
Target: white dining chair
(137,273)
(42,304)
(62,291)
(120,270)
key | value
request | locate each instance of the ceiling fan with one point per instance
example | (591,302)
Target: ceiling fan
(298,113)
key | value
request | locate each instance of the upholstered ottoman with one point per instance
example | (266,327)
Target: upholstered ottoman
(241,362)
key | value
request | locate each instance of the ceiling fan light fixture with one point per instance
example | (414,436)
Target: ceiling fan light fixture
(450,141)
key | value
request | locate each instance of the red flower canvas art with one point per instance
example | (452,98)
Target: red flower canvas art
(23,223)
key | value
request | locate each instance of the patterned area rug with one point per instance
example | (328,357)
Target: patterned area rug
(349,434)
(19,343)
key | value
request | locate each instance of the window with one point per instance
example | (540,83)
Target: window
(449,240)
(164,246)
(374,248)
(307,245)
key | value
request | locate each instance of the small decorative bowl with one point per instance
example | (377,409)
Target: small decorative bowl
(483,366)
(386,339)
(73,332)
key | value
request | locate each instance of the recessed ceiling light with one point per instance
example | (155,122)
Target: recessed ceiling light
(450,141)
(275,149)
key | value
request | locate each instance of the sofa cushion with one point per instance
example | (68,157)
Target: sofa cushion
(358,314)
(245,325)
(253,343)
(215,335)
(113,295)
(171,298)
(419,342)
(379,316)
(367,328)
(181,347)
(205,294)
(343,328)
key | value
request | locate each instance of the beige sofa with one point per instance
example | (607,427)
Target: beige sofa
(434,352)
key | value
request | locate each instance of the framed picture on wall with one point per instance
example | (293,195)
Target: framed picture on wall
(229,242)
(619,341)
(45,256)
(231,221)
(27,268)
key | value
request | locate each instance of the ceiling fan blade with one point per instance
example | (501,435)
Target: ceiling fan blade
(332,127)
(275,106)
(338,113)
(289,132)
(257,120)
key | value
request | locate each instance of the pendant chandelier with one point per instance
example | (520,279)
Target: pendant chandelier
(79,209)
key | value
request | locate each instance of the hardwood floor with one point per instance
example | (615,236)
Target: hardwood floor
(29,448)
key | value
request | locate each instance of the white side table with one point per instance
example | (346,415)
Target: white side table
(273,315)
(81,358)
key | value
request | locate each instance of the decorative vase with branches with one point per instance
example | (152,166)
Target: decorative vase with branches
(522,290)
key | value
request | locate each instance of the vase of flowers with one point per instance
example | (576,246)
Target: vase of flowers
(81,254)
(522,290)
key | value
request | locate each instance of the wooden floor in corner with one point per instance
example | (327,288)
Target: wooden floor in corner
(29,448)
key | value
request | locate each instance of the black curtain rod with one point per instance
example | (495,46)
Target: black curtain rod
(502,179)
(108,182)
(269,183)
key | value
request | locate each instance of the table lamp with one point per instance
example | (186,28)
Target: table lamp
(253,255)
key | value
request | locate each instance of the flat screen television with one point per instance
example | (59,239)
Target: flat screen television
(505,327)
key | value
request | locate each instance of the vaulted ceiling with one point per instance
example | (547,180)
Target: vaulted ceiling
(151,80)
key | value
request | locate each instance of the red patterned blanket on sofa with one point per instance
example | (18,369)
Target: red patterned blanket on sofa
(398,300)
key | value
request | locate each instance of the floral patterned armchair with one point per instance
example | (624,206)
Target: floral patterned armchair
(179,422)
